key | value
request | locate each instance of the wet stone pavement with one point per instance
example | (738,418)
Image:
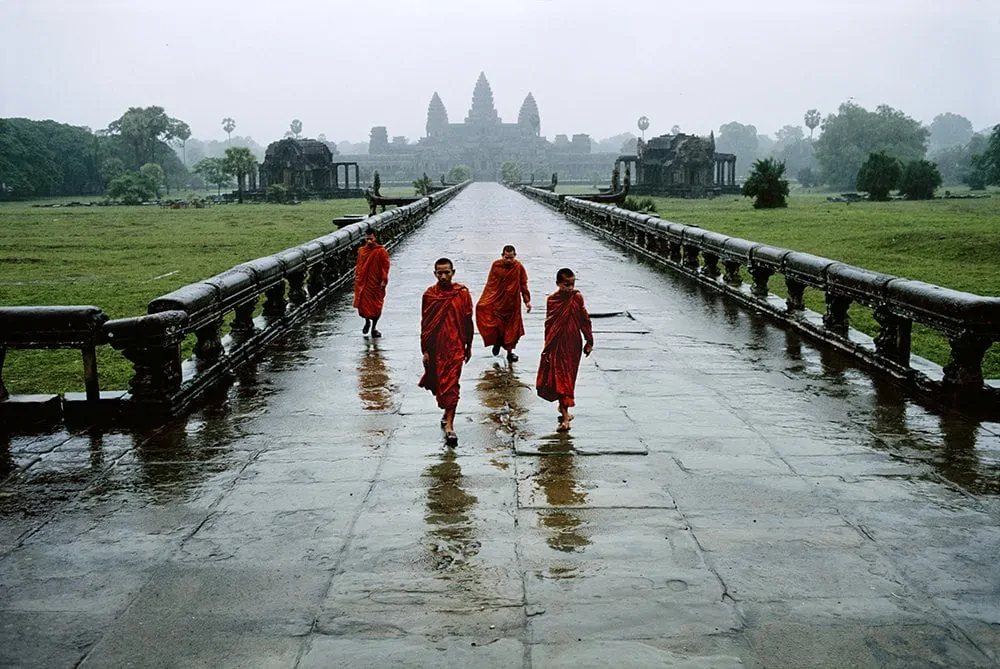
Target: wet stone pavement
(729,496)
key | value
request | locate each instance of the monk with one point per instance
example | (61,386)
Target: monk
(445,341)
(498,311)
(371,276)
(566,318)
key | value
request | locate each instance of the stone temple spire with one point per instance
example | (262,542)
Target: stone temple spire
(437,117)
(528,116)
(482,110)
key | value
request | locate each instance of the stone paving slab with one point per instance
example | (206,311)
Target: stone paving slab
(728,496)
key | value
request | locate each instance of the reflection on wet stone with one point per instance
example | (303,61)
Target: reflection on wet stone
(452,537)
(374,388)
(556,477)
(499,391)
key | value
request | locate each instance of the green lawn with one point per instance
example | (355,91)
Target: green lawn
(120,258)
(952,243)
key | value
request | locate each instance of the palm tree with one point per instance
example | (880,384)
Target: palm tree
(228,124)
(812,120)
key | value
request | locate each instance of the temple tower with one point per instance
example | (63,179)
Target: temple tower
(482,112)
(437,117)
(528,116)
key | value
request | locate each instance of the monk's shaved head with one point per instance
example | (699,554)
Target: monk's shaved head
(509,248)
(444,261)
(563,274)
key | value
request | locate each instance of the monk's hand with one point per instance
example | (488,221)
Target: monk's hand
(588,348)
(468,353)
(528,306)
(427,359)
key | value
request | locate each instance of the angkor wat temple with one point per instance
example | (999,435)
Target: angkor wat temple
(483,142)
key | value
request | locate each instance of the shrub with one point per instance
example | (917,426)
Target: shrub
(131,188)
(879,175)
(277,193)
(766,185)
(807,178)
(919,179)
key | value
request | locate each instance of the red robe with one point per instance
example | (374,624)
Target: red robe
(445,332)
(498,311)
(566,318)
(370,277)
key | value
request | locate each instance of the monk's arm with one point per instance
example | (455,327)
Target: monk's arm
(385,267)
(584,320)
(525,294)
(425,335)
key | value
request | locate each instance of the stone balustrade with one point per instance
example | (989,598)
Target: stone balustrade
(970,322)
(292,282)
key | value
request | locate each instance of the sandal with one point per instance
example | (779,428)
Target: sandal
(563,427)
(376,333)
(450,439)
(368,325)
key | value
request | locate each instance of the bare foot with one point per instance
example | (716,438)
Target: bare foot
(563,427)
(569,417)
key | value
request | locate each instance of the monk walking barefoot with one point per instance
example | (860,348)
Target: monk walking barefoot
(371,276)
(498,311)
(566,319)
(445,341)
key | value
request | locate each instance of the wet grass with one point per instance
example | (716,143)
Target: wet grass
(120,258)
(947,242)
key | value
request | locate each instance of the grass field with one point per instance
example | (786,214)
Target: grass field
(120,258)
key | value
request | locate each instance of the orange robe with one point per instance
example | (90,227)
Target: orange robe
(445,332)
(371,274)
(566,318)
(498,311)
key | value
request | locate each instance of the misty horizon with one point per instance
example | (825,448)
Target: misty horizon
(342,69)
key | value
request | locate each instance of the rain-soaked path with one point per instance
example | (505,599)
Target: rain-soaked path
(729,496)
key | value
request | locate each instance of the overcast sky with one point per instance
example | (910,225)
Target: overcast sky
(593,66)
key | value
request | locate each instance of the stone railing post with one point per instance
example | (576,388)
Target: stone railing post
(316,280)
(796,291)
(243,316)
(893,339)
(4,394)
(761,275)
(711,267)
(296,287)
(274,300)
(965,365)
(209,342)
(153,345)
(690,256)
(836,319)
(732,274)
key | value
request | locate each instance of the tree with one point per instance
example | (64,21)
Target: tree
(949,130)
(459,173)
(213,171)
(295,127)
(919,179)
(111,169)
(239,162)
(988,161)
(228,124)
(812,118)
(629,146)
(739,139)
(181,133)
(510,172)
(806,177)
(154,173)
(879,175)
(131,188)
(145,129)
(423,185)
(853,133)
(766,185)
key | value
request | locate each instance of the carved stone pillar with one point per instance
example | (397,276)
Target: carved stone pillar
(836,319)
(209,343)
(893,339)
(152,344)
(711,267)
(316,280)
(690,256)
(761,275)
(732,274)
(796,290)
(274,301)
(4,394)
(964,370)
(674,251)
(296,287)
(243,316)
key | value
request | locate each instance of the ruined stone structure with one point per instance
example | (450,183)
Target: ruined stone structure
(483,142)
(682,165)
(307,169)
